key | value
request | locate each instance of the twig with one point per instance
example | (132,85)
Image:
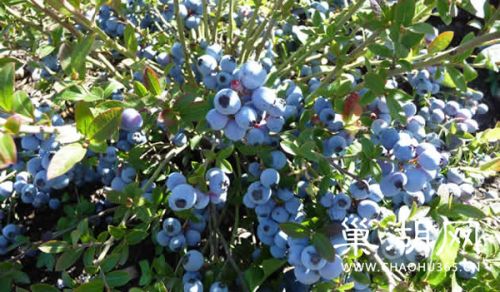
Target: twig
(391,278)
(227,250)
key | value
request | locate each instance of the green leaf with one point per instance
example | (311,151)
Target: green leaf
(118,278)
(423,28)
(441,42)
(469,72)
(7,86)
(64,159)
(22,104)
(140,89)
(455,210)
(457,78)
(256,275)
(443,8)
(53,246)
(79,55)
(42,287)
(295,229)
(375,82)
(380,50)
(96,285)
(83,117)
(224,165)
(444,252)
(289,147)
(68,258)
(13,124)
(135,236)
(146,275)
(323,246)
(110,262)
(151,82)
(105,125)
(226,152)
(8,152)
(130,39)
(405,9)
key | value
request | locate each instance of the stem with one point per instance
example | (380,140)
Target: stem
(227,250)
(391,278)
(230,28)
(205,18)
(216,22)
(343,171)
(182,38)
(174,152)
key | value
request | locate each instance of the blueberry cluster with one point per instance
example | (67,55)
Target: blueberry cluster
(31,182)
(248,110)
(216,71)
(130,135)
(176,236)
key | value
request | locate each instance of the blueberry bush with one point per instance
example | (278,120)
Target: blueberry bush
(249,145)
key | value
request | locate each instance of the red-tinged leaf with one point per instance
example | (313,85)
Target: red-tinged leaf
(441,42)
(151,81)
(8,153)
(352,106)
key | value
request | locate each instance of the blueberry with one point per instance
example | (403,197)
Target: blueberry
(466,269)
(392,247)
(28,194)
(234,132)
(255,136)
(263,98)
(254,169)
(416,179)
(192,261)
(393,183)
(306,276)
(336,213)
(6,189)
(269,177)
(258,194)
(389,137)
(246,117)
(335,145)
(342,201)
(224,79)
(177,243)
(216,120)
(193,285)
(54,203)
(218,287)
(30,143)
(285,194)
(215,51)
(416,251)
(280,214)
(359,190)
(175,179)
(333,269)
(128,174)
(368,209)
(180,139)
(202,200)
(227,102)
(252,75)
(268,227)
(172,226)
(117,184)
(275,124)
(218,180)
(131,120)
(278,159)
(192,21)
(193,237)
(429,159)
(163,59)
(10,231)
(206,64)
(183,197)
(228,64)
